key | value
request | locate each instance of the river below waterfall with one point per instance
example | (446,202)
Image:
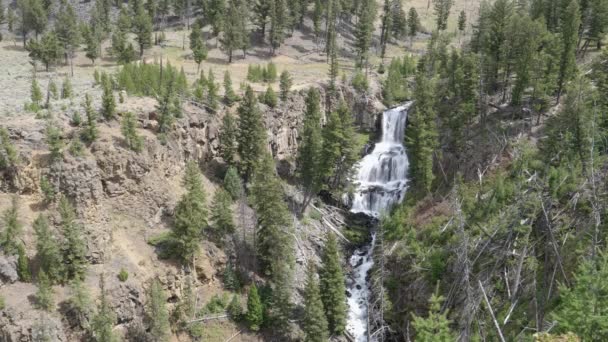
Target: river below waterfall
(381,182)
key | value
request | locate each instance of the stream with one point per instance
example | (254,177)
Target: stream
(381,182)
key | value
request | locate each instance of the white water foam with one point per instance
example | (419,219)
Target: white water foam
(381,182)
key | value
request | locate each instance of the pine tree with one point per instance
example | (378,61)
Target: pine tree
(54,139)
(309,152)
(233,183)
(462,21)
(413,23)
(48,251)
(261,12)
(74,251)
(103,322)
(228,137)
(2,18)
(23,264)
(422,136)
(340,151)
(212,89)
(80,301)
(8,159)
(216,15)
(229,96)
(278,23)
(53,90)
(442,12)
(399,19)
(142,28)
(108,102)
(316,19)
(235,309)
(48,50)
(582,307)
(9,240)
(92,45)
(332,285)
(255,309)
(235,35)
(252,135)
(190,214)
(129,132)
(221,213)
(68,33)
(285,84)
(436,327)
(364,30)
(44,296)
(334,69)
(35,94)
(270,97)
(569,26)
(66,89)
(90,132)
(314,324)
(387,27)
(197,45)
(230,278)
(157,313)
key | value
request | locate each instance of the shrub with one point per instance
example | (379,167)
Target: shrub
(360,82)
(123,275)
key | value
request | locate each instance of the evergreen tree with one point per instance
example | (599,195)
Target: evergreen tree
(74,251)
(386,28)
(252,135)
(332,285)
(285,84)
(422,136)
(399,19)
(462,21)
(54,139)
(413,23)
(11,234)
(142,28)
(80,301)
(261,12)
(229,96)
(68,33)
(442,12)
(221,213)
(364,30)
(48,50)
(53,90)
(278,23)
(582,307)
(157,313)
(23,264)
(35,94)
(315,323)
(436,327)
(190,214)
(197,45)
(270,97)
(2,18)
(66,89)
(233,183)
(108,102)
(235,35)
(231,281)
(316,19)
(216,15)
(103,322)
(228,137)
(44,296)
(185,310)
(47,189)
(334,68)
(92,45)
(129,132)
(212,89)
(8,159)
(48,250)
(235,309)
(255,309)
(569,26)
(309,152)
(90,132)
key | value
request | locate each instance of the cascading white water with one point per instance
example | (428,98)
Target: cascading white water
(381,182)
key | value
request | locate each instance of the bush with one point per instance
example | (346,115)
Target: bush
(216,304)
(123,275)
(48,191)
(270,97)
(76,119)
(359,81)
(76,148)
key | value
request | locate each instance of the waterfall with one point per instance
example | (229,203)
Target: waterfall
(381,182)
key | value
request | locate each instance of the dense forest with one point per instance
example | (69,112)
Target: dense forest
(500,236)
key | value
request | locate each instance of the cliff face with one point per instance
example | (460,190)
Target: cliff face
(123,198)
